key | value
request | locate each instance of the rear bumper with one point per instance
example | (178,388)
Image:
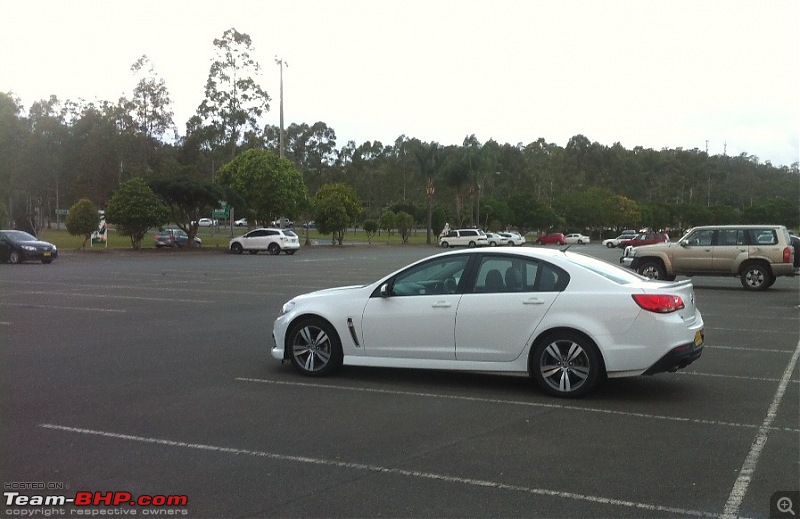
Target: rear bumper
(677,358)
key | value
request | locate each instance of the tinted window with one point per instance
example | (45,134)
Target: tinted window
(469,233)
(439,276)
(730,237)
(256,234)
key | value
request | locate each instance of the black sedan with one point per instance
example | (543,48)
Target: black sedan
(19,246)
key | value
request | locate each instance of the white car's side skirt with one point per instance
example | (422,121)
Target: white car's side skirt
(519,365)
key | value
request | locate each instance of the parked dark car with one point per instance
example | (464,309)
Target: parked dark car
(796,245)
(173,238)
(18,246)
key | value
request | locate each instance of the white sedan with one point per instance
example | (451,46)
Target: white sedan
(580,239)
(513,238)
(567,319)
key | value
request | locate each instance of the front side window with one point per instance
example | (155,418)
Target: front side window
(702,238)
(439,276)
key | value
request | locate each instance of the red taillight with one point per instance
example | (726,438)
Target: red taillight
(659,303)
(787,255)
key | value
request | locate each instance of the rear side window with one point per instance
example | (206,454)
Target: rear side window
(763,237)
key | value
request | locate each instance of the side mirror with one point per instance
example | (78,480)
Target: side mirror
(385,290)
(684,243)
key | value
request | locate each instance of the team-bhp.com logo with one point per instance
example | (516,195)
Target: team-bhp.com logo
(96,499)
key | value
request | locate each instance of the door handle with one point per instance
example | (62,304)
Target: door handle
(442,304)
(533,301)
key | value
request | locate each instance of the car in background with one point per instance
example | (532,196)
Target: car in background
(273,241)
(206,222)
(578,238)
(495,240)
(174,238)
(241,222)
(555,238)
(756,254)
(513,238)
(796,246)
(614,242)
(279,223)
(470,311)
(20,246)
(645,238)
(464,238)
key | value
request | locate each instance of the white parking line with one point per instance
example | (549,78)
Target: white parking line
(751,350)
(740,377)
(511,402)
(108,296)
(749,466)
(387,470)
(62,307)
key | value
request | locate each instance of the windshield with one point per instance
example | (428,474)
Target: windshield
(19,236)
(608,270)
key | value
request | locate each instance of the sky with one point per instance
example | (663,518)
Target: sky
(715,75)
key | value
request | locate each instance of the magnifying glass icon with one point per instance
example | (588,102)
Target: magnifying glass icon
(785,505)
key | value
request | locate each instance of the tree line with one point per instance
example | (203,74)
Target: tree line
(57,152)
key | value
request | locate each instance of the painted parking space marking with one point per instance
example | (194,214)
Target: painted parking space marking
(62,307)
(458,480)
(513,402)
(110,296)
(751,460)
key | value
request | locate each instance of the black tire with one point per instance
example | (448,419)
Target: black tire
(314,348)
(492,244)
(445,245)
(580,242)
(756,276)
(472,245)
(610,245)
(291,251)
(14,257)
(566,364)
(652,269)
(511,244)
(237,248)
(274,249)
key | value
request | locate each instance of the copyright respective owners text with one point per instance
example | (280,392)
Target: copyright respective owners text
(56,499)
(784,503)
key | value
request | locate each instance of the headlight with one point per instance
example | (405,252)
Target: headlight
(287,308)
(28,247)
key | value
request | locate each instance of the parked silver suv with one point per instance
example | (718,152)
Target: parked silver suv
(757,254)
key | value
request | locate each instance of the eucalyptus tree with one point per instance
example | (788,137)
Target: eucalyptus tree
(12,133)
(234,101)
(430,159)
(151,103)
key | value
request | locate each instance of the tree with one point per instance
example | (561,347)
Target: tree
(188,200)
(82,220)
(270,185)
(151,102)
(337,207)
(388,221)
(234,101)
(370,228)
(405,224)
(134,209)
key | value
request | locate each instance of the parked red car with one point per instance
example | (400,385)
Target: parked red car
(645,238)
(555,238)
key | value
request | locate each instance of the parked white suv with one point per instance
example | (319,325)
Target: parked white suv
(273,241)
(464,238)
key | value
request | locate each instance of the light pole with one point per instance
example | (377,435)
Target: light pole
(281,144)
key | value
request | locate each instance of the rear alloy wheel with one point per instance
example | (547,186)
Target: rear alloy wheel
(445,245)
(14,257)
(314,347)
(274,249)
(237,248)
(610,245)
(566,365)
(652,269)
(756,276)
(472,244)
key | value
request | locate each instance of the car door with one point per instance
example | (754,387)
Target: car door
(729,249)
(416,317)
(695,253)
(256,240)
(497,316)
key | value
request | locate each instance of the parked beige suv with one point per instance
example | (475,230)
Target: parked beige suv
(756,254)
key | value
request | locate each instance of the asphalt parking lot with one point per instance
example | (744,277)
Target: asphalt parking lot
(149,373)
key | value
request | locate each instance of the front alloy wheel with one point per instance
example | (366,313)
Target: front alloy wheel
(652,269)
(566,365)
(14,257)
(237,248)
(315,348)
